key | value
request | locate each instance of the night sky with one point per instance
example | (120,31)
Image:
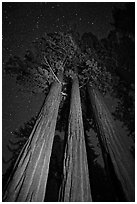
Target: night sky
(22,23)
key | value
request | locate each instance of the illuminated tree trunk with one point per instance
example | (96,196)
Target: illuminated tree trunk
(113,144)
(29,179)
(75,186)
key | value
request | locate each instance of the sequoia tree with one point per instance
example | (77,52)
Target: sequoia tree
(29,177)
(113,146)
(75,186)
(115,150)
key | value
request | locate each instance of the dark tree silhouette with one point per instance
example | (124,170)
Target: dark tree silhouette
(124,19)
(119,47)
(21,136)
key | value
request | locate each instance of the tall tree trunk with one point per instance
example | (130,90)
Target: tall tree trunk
(113,144)
(29,179)
(75,186)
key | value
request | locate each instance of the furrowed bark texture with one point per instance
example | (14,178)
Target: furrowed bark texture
(31,170)
(121,158)
(75,186)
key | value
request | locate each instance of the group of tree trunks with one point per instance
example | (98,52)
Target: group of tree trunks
(29,178)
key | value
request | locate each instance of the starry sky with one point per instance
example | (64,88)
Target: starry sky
(22,23)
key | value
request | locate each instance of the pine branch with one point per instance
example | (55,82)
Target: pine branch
(52,70)
(84,84)
(65,60)
(56,50)
(56,45)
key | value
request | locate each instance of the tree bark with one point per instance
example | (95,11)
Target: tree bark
(29,179)
(75,186)
(113,144)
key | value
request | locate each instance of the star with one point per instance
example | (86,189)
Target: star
(5,11)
